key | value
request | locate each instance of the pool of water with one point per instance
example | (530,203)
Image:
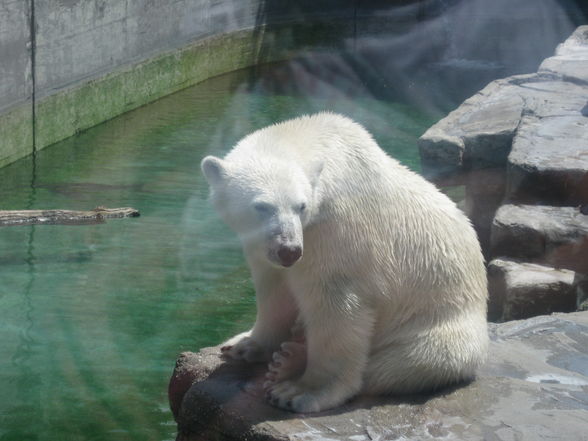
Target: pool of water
(92,317)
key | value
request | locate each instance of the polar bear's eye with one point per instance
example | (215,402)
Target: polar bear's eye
(263,208)
(301,207)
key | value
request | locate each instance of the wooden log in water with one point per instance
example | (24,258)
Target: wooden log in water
(63,217)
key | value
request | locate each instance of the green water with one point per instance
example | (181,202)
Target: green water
(92,317)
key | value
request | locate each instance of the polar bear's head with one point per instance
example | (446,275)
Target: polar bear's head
(266,202)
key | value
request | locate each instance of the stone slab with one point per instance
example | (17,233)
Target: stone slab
(533,387)
(557,236)
(520,290)
(477,134)
(538,121)
(570,61)
(549,161)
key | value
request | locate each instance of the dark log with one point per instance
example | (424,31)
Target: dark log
(63,217)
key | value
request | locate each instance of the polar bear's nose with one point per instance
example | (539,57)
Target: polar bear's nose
(289,255)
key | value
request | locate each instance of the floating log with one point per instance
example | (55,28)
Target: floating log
(63,217)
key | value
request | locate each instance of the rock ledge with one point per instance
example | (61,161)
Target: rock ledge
(533,387)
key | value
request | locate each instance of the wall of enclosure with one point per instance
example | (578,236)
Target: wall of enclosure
(66,65)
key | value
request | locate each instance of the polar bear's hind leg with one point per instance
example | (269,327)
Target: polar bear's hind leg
(440,356)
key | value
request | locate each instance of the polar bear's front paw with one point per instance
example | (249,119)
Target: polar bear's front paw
(245,349)
(287,363)
(293,396)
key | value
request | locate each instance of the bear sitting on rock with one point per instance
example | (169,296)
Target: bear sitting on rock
(379,272)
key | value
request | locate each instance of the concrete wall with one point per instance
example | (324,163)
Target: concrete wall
(81,39)
(15,80)
(124,53)
(91,60)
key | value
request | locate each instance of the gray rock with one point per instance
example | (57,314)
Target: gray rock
(571,58)
(521,290)
(533,387)
(557,236)
(477,134)
(541,117)
(534,121)
(549,158)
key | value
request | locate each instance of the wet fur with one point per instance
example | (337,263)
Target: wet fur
(391,288)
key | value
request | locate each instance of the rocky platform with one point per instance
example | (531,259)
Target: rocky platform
(534,386)
(520,147)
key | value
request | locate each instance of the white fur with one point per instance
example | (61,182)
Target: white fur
(391,285)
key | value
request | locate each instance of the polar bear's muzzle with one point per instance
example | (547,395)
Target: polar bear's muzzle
(289,255)
(285,241)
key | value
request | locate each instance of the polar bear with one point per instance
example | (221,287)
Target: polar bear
(380,270)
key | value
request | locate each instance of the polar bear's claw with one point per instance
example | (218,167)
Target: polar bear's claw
(246,349)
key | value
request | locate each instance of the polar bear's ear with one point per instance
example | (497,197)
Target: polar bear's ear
(214,169)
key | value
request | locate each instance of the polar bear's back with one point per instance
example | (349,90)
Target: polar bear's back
(310,138)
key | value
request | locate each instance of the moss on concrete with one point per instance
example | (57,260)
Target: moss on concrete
(67,112)
(16,129)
